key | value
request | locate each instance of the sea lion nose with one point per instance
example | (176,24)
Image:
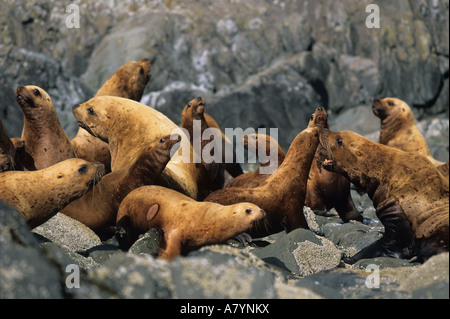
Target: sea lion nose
(320,108)
(75,106)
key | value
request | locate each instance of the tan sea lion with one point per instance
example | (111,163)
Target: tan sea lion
(251,142)
(327,190)
(214,171)
(185,224)
(128,126)
(46,142)
(97,209)
(39,195)
(283,194)
(398,127)
(7,150)
(129,81)
(410,196)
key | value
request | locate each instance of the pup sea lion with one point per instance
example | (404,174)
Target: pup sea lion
(410,196)
(46,142)
(129,126)
(97,209)
(185,224)
(7,150)
(283,194)
(129,81)
(214,175)
(326,189)
(39,195)
(252,142)
(398,127)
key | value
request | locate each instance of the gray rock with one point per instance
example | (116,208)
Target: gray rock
(68,233)
(24,271)
(132,276)
(301,252)
(222,274)
(147,243)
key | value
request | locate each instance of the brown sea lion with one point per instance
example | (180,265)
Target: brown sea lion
(97,209)
(39,195)
(7,150)
(444,169)
(410,196)
(46,142)
(128,126)
(185,224)
(327,190)
(398,127)
(129,81)
(283,194)
(214,175)
(251,142)
(233,167)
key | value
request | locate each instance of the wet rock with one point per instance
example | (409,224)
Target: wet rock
(147,243)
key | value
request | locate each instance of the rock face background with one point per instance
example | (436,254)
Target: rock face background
(258,64)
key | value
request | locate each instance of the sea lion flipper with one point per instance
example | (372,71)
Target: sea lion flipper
(152,211)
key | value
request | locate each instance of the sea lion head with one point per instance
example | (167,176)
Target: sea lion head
(93,116)
(129,81)
(33,100)
(84,174)
(244,216)
(343,152)
(390,107)
(319,117)
(194,109)
(166,147)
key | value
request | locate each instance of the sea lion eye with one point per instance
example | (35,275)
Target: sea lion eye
(91,111)
(248,211)
(163,140)
(36,92)
(339,142)
(311,117)
(60,175)
(390,103)
(189,105)
(82,169)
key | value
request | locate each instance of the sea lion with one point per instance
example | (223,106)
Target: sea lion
(39,195)
(410,196)
(251,142)
(185,224)
(327,190)
(129,81)
(398,127)
(128,126)
(97,209)
(214,171)
(283,194)
(46,142)
(7,150)
(233,168)
(444,169)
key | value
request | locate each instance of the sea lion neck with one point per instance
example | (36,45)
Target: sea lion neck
(392,125)
(291,173)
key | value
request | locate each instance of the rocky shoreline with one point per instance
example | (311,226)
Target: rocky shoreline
(304,264)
